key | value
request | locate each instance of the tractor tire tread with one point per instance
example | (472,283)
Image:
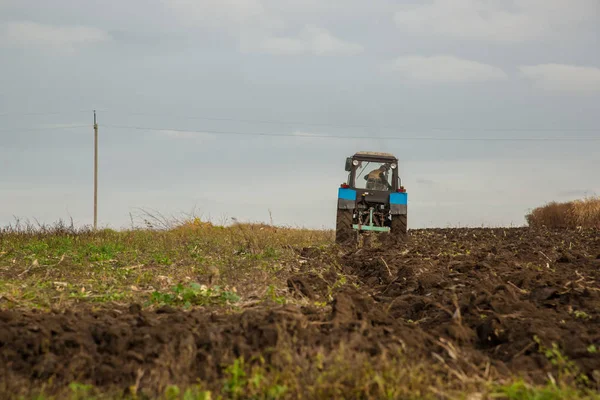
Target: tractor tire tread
(344,234)
(399,226)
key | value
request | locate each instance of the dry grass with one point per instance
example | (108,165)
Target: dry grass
(50,266)
(584,213)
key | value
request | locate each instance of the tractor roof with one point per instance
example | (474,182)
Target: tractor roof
(375,155)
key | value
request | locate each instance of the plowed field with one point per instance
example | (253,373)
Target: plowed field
(463,305)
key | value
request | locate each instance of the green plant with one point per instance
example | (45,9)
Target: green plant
(567,369)
(235,378)
(194,294)
(592,349)
(582,315)
(80,391)
(519,390)
(271,295)
(244,381)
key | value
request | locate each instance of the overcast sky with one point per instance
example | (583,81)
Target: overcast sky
(182,86)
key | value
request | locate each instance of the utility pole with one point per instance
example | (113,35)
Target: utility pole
(95,172)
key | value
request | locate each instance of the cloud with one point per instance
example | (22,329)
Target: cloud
(36,35)
(258,28)
(562,77)
(311,40)
(235,16)
(444,69)
(497,20)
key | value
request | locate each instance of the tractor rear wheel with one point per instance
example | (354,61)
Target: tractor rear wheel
(344,234)
(399,228)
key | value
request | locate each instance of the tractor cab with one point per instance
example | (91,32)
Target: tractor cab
(373,171)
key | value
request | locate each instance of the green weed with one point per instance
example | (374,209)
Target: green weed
(194,294)
(567,369)
(592,349)
(271,295)
(192,393)
(519,390)
(582,315)
(255,382)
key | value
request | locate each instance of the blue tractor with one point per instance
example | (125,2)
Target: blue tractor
(372,199)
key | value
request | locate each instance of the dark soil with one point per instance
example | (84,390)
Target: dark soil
(475,298)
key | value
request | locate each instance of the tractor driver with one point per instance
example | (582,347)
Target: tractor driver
(377,179)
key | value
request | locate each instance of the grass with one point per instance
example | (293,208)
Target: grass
(339,375)
(194,294)
(584,213)
(50,267)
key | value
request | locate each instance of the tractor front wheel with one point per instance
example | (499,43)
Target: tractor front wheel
(344,234)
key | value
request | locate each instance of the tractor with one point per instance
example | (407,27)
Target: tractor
(372,200)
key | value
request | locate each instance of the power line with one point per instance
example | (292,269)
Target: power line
(304,123)
(6,114)
(43,128)
(301,123)
(253,121)
(307,135)
(316,136)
